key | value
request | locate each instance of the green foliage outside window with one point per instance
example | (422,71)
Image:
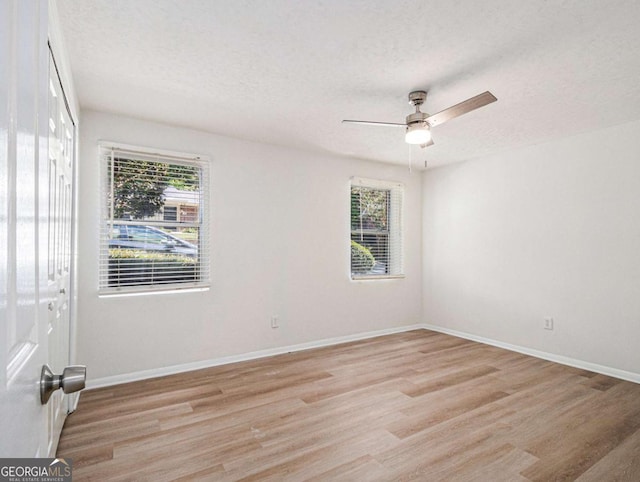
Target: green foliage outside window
(138,186)
(361,258)
(369,208)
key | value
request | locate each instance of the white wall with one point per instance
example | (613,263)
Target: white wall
(280,231)
(550,230)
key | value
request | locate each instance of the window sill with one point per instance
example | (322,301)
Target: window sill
(377,277)
(150,291)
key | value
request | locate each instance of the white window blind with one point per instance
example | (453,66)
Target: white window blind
(376,229)
(154,230)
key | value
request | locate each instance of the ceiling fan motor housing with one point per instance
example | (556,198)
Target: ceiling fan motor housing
(416,117)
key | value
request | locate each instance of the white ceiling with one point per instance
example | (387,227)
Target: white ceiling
(287,72)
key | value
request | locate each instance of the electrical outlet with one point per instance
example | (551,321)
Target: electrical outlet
(548,323)
(274,322)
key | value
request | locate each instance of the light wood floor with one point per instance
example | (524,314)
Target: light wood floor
(411,406)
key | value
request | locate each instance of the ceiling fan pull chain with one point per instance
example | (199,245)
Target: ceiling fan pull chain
(410,158)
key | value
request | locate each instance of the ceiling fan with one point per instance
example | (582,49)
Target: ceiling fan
(418,125)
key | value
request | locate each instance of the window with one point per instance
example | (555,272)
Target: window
(170,213)
(376,229)
(147,241)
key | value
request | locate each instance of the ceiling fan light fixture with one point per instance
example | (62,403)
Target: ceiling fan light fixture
(418,133)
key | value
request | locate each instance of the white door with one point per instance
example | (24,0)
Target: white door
(27,310)
(60,158)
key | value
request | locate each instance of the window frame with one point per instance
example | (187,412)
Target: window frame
(107,151)
(394,231)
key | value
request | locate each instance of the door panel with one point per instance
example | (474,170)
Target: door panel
(23,227)
(60,161)
(36,163)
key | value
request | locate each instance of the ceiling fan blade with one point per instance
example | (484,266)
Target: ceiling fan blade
(457,110)
(427,144)
(371,123)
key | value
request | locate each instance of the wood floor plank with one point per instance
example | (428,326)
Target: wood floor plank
(135,404)
(361,468)
(77,427)
(88,456)
(424,449)
(621,464)
(247,414)
(602,382)
(447,409)
(580,444)
(316,461)
(504,468)
(449,380)
(110,435)
(417,405)
(458,468)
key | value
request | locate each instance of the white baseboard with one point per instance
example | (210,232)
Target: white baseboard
(594,367)
(171,370)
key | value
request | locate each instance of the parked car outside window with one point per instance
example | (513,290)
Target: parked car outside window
(148,238)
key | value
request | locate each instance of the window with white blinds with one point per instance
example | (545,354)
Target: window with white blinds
(376,229)
(154,232)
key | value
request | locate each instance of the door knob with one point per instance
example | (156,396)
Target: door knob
(72,380)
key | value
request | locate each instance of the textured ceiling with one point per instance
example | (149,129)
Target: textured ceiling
(288,71)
